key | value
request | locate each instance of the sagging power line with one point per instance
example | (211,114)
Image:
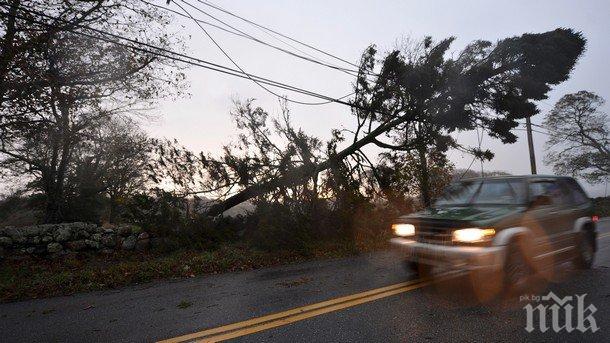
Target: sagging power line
(180,57)
(240,33)
(239,67)
(209,4)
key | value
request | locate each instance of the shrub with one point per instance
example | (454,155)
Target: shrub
(304,226)
(160,213)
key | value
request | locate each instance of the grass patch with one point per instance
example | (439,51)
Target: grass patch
(39,278)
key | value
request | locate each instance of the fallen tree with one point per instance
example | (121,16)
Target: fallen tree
(299,174)
(417,99)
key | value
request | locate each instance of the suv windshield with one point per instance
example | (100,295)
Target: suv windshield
(484,192)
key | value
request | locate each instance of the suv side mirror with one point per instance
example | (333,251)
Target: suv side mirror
(541,200)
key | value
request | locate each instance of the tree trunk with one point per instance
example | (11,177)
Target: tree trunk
(424,186)
(54,184)
(7,47)
(113,209)
(54,205)
(302,173)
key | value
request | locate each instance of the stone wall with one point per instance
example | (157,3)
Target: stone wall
(59,239)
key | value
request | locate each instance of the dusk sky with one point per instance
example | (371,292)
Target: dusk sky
(346,28)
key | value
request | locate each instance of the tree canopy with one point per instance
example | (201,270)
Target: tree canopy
(58,85)
(579,137)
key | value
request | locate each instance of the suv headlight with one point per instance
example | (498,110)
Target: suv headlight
(403,230)
(473,235)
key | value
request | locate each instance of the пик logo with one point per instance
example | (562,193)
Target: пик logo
(560,307)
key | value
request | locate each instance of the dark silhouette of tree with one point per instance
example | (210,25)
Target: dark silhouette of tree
(57,85)
(417,101)
(579,139)
(110,163)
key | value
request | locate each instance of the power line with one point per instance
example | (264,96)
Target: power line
(243,34)
(185,16)
(237,65)
(540,126)
(541,132)
(182,57)
(209,4)
(275,37)
(468,169)
(480,141)
(269,31)
(474,157)
(246,35)
(163,52)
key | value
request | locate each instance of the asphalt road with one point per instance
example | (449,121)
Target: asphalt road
(404,310)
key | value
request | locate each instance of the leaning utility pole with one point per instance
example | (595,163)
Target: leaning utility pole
(530,143)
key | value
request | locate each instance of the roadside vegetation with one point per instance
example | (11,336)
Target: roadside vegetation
(39,278)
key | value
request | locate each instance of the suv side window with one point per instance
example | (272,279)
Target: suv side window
(566,193)
(578,196)
(558,195)
(537,188)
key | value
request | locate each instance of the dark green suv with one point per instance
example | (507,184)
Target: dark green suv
(516,225)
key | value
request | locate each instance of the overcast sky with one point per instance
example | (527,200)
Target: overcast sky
(346,28)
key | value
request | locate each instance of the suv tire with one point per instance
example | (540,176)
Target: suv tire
(517,271)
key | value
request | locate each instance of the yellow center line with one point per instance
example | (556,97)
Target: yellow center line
(295,318)
(296,314)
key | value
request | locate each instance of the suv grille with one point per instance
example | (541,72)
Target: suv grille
(433,234)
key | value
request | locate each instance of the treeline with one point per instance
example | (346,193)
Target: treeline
(168,189)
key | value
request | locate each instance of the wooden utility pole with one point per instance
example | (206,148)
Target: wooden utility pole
(530,143)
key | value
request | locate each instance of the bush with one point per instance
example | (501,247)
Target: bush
(303,227)
(160,213)
(85,206)
(205,233)
(274,226)
(165,215)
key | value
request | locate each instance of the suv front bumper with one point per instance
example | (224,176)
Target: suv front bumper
(455,257)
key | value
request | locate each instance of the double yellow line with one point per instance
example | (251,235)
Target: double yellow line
(296,314)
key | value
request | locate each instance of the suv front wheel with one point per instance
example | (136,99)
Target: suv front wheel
(517,271)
